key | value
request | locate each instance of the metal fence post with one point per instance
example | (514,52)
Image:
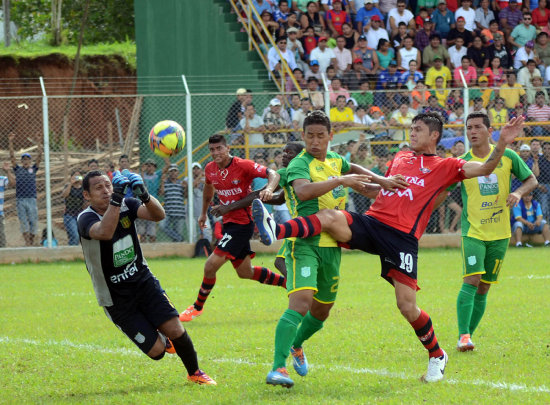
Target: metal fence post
(466,99)
(46,130)
(189,143)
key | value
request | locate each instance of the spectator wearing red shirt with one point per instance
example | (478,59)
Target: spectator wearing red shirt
(336,17)
(540,15)
(468,70)
(309,41)
(539,112)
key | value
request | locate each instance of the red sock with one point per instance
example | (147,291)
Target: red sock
(425,332)
(301,227)
(204,292)
(266,276)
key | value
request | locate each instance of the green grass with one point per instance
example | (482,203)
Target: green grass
(57,346)
(27,49)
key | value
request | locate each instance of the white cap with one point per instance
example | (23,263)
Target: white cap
(525,147)
(275,101)
(196,164)
(402,144)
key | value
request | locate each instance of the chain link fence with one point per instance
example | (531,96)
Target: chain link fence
(110,132)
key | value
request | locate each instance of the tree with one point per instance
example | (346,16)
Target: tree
(56,21)
(6,11)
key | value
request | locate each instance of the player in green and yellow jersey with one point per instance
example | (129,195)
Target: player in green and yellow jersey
(485,224)
(290,151)
(317,178)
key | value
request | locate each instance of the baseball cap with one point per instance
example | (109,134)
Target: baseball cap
(437,57)
(26,155)
(402,144)
(173,166)
(323,39)
(375,18)
(428,19)
(369,1)
(358,60)
(525,147)
(460,19)
(530,44)
(352,100)
(374,109)
(196,164)
(362,37)
(240,91)
(275,101)
(314,62)
(497,36)
(291,30)
(151,162)
(483,79)
(442,2)
(393,62)
(513,1)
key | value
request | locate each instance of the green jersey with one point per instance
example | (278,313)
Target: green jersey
(485,215)
(305,166)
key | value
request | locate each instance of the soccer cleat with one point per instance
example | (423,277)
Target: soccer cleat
(201,378)
(279,377)
(436,368)
(169,347)
(465,343)
(190,313)
(299,360)
(266,225)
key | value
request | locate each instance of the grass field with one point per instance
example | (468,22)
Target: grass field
(57,346)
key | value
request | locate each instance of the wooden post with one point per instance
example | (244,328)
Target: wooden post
(66,145)
(110,139)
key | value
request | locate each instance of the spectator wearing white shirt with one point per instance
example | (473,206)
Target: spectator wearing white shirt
(456,52)
(323,55)
(400,14)
(523,54)
(343,56)
(468,13)
(375,32)
(274,59)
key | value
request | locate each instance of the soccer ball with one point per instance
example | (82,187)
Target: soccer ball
(167,138)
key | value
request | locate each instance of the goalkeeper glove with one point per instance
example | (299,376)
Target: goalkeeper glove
(138,187)
(120,184)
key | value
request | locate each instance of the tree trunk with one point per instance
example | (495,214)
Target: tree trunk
(56,21)
(6,10)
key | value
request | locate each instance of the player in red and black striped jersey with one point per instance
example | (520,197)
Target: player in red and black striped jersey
(394,223)
(231,177)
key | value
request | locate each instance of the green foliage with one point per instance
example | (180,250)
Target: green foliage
(108,20)
(59,347)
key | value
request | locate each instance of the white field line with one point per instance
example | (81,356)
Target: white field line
(378,372)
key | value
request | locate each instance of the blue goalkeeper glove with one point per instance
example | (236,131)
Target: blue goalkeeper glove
(138,187)
(120,184)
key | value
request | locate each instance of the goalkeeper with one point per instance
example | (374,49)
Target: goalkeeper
(124,286)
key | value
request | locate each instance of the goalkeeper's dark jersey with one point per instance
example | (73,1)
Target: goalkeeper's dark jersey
(116,266)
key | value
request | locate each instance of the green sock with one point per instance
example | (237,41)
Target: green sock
(480,302)
(464,307)
(284,335)
(308,327)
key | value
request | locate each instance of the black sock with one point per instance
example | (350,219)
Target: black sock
(186,352)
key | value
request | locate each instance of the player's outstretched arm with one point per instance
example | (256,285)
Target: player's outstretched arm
(391,183)
(528,185)
(507,135)
(306,190)
(272,183)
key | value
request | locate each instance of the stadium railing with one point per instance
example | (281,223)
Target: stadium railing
(85,127)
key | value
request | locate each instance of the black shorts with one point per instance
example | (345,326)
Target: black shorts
(140,315)
(398,250)
(235,243)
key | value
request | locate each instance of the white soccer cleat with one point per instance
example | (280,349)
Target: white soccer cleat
(266,225)
(436,368)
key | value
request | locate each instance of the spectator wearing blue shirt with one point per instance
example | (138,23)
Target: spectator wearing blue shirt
(410,77)
(388,79)
(281,14)
(528,220)
(443,19)
(25,191)
(365,13)
(261,6)
(525,154)
(5,181)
